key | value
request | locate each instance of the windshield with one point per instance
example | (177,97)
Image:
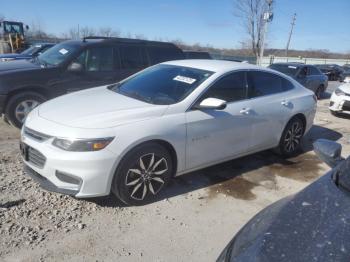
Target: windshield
(163,84)
(57,54)
(31,50)
(286,69)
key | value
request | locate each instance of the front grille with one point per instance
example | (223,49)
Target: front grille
(36,158)
(35,135)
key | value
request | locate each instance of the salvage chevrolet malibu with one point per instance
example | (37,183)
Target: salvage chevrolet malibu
(132,137)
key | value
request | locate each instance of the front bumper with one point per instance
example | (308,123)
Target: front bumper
(340,104)
(58,170)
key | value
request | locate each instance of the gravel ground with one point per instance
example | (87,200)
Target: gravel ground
(192,221)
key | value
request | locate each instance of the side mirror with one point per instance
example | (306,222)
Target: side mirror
(212,103)
(75,67)
(328,151)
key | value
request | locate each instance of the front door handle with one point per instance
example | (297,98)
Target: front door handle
(245,111)
(285,103)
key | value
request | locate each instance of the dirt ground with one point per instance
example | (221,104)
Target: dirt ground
(193,220)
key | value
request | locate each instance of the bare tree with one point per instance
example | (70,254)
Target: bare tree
(251,13)
(108,32)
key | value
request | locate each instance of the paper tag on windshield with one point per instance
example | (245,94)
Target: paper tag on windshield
(63,51)
(294,67)
(187,80)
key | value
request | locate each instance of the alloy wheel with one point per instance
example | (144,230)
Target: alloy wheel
(293,137)
(145,176)
(23,109)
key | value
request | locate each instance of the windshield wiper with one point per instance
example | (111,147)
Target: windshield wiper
(137,96)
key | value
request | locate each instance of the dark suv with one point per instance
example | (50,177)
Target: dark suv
(307,75)
(74,65)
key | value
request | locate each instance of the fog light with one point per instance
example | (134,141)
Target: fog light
(68,178)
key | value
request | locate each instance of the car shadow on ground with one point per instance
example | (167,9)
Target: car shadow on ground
(303,167)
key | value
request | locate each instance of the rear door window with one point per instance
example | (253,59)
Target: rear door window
(163,54)
(264,83)
(132,57)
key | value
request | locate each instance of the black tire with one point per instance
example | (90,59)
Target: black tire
(334,113)
(290,146)
(15,101)
(319,92)
(141,187)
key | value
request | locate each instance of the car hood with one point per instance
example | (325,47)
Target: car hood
(14,56)
(98,108)
(17,65)
(345,88)
(314,223)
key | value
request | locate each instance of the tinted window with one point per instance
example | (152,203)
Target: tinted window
(162,84)
(163,54)
(132,57)
(314,71)
(286,84)
(229,88)
(96,59)
(285,69)
(263,83)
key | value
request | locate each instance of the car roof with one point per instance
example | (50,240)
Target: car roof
(214,65)
(290,63)
(99,40)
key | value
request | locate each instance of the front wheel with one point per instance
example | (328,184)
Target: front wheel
(19,106)
(142,174)
(290,143)
(319,92)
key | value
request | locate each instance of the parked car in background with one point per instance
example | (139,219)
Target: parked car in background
(340,100)
(345,75)
(75,65)
(307,75)
(332,71)
(29,53)
(312,225)
(132,137)
(197,55)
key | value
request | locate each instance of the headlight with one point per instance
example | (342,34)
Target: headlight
(339,92)
(82,145)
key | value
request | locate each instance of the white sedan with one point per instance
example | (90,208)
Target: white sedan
(132,137)
(340,100)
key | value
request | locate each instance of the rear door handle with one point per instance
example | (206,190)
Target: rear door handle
(245,111)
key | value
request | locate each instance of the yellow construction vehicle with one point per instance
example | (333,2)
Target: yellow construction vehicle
(12,38)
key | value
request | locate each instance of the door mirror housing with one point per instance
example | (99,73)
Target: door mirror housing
(328,151)
(212,103)
(75,67)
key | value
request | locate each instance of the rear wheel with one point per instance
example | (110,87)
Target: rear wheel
(19,106)
(142,174)
(290,143)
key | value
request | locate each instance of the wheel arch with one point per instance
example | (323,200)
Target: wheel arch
(30,89)
(166,144)
(302,117)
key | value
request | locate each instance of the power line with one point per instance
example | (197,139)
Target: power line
(291,32)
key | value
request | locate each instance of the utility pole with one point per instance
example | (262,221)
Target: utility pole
(268,16)
(290,33)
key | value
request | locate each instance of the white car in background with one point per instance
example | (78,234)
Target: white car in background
(340,100)
(131,138)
